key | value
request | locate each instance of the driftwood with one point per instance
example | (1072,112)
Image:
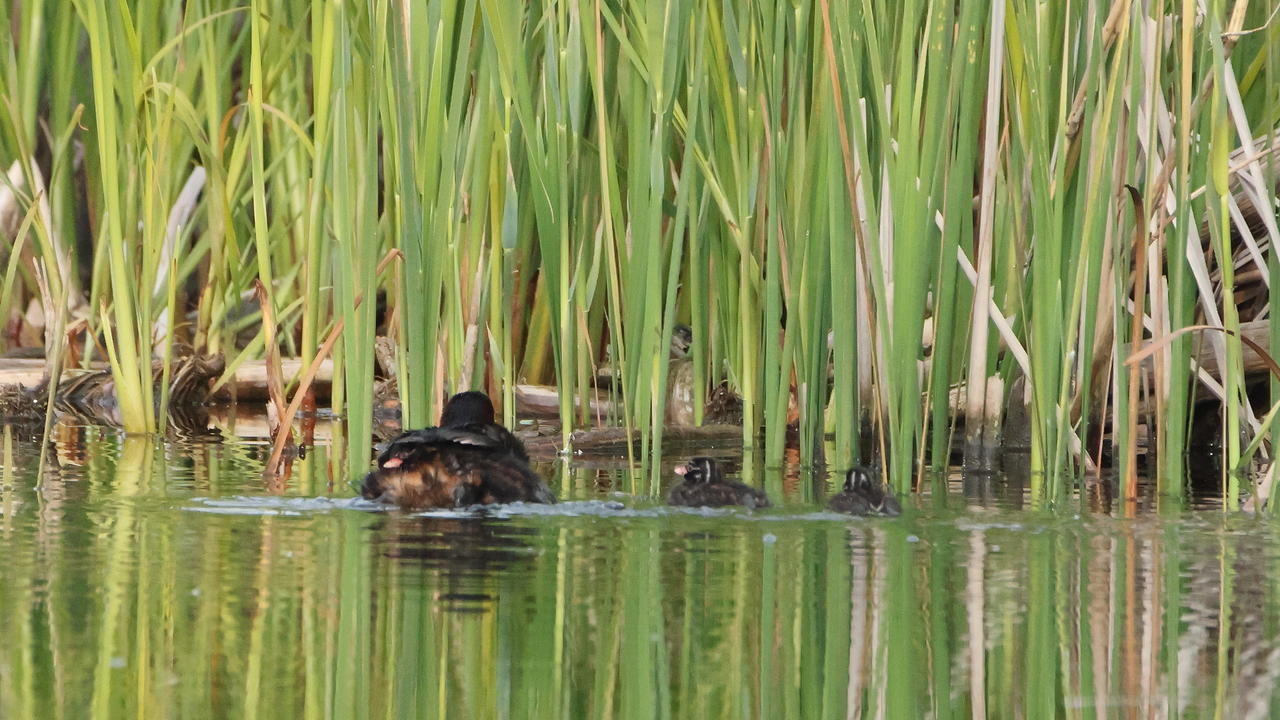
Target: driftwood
(544,401)
(189,383)
(89,396)
(1259,331)
(613,440)
(602,442)
(91,393)
(1255,366)
(248,383)
(20,377)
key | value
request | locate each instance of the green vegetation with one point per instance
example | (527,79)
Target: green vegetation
(937,187)
(155,580)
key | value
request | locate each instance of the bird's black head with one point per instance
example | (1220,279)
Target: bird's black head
(466,408)
(681,341)
(858,480)
(700,470)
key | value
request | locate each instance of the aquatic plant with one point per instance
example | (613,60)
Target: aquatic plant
(873,214)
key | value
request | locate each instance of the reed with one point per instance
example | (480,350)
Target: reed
(873,215)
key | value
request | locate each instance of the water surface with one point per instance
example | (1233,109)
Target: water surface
(149,579)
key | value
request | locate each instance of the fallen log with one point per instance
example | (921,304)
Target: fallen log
(614,440)
(1259,331)
(89,395)
(544,401)
(248,383)
(239,421)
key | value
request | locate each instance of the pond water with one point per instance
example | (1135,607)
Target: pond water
(149,579)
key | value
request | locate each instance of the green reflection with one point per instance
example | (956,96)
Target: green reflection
(146,579)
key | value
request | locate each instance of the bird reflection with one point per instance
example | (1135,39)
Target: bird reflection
(462,558)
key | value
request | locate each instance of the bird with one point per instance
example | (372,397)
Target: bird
(468,459)
(862,495)
(704,485)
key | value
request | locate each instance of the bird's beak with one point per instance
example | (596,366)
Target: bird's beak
(682,469)
(392,463)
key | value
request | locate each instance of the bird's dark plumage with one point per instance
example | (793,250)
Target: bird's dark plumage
(863,495)
(468,460)
(704,486)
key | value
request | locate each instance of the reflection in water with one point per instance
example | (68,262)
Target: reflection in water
(460,556)
(144,579)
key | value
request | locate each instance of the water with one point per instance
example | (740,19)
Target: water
(167,580)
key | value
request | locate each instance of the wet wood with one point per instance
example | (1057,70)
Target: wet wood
(248,383)
(249,389)
(250,422)
(25,373)
(1255,366)
(544,401)
(613,440)
(1259,331)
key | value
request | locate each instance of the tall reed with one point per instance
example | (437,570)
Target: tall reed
(873,215)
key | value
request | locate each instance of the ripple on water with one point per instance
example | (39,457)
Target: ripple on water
(274,505)
(293,506)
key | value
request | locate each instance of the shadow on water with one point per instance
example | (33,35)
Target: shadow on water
(165,579)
